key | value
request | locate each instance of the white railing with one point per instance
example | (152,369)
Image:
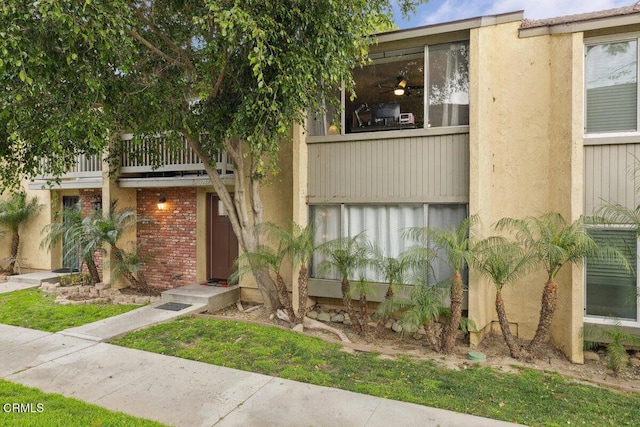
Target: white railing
(142,157)
(86,166)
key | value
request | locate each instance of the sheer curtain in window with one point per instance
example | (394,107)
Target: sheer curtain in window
(449,84)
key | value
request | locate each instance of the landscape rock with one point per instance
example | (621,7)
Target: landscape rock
(634,362)
(312,314)
(591,355)
(338,318)
(298,328)
(396,327)
(389,324)
(324,317)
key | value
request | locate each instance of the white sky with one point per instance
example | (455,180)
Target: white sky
(438,11)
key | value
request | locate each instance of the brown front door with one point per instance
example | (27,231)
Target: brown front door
(222,244)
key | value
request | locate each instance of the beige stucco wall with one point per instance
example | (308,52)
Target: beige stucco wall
(31,256)
(525,159)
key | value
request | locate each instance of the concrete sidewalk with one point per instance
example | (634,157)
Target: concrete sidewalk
(187,393)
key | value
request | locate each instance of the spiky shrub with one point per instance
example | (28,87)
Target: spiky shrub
(14,212)
(456,247)
(504,263)
(347,255)
(615,338)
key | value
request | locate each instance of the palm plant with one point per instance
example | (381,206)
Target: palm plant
(98,230)
(554,243)
(456,248)
(347,255)
(424,306)
(270,259)
(70,229)
(297,243)
(362,289)
(503,263)
(14,212)
(393,271)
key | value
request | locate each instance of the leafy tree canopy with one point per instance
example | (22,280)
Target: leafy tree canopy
(73,73)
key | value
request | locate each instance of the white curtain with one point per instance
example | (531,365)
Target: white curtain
(383,226)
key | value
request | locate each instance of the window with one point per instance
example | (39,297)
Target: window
(611,81)
(413,88)
(383,225)
(611,291)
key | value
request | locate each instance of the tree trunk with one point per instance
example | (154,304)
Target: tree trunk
(547,310)
(303,292)
(93,270)
(283,295)
(450,330)
(363,311)
(13,257)
(346,300)
(514,348)
(388,296)
(432,336)
(242,223)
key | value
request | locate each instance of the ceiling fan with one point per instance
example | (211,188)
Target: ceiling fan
(402,87)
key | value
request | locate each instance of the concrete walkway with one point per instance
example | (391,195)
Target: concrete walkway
(187,393)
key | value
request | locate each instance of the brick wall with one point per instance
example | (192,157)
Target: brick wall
(170,241)
(87,197)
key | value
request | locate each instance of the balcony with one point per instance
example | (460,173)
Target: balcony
(179,167)
(86,173)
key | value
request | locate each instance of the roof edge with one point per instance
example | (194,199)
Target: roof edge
(581,22)
(448,27)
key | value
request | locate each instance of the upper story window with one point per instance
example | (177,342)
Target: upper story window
(411,88)
(611,81)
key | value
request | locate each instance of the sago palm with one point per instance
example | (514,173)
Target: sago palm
(297,243)
(69,230)
(270,259)
(347,255)
(455,247)
(14,212)
(504,263)
(98,230)
(424,306)
(554,243)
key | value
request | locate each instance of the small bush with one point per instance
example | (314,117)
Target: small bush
(74,279)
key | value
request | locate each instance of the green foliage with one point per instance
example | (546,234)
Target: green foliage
(33,309)
(17,210)
(58,410)
(74,279)
(294,241)
(347,255)
(552,240)
(615,338)
(503,262)
(527,397)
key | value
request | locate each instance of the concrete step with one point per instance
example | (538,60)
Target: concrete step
(35,278)
(215,297)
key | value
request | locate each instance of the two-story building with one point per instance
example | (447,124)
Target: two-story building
(495,116)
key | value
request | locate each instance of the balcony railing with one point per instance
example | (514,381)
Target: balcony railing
(141,157)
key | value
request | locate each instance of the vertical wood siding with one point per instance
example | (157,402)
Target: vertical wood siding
(610,175)
(421,169)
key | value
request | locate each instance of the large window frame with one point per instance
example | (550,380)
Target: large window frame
(605,319)
(342,123)
(458,212)
(610,40)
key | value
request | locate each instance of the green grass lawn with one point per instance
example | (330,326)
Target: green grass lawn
(31,308)
(529,397)
(45,409)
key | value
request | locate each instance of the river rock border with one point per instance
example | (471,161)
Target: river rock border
(97,294)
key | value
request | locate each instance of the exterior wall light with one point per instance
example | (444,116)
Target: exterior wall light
(162,203)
